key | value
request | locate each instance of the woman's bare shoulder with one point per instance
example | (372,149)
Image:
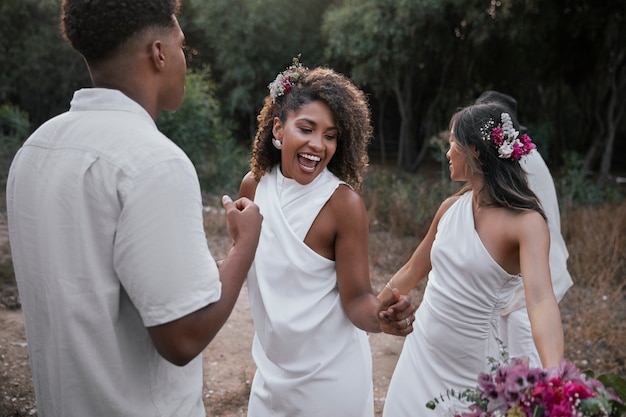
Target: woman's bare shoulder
(248,186)
(346,202)
(446,204)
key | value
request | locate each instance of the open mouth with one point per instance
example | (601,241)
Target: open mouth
(308,162)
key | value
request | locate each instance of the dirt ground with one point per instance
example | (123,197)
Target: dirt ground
(228,365)
(592,334)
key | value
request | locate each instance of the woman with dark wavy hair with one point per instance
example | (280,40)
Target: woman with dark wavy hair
(309,287)
(483,244)
(516,329)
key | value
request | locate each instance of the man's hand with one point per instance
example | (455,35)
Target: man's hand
(243,220)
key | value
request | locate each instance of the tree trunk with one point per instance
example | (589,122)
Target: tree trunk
(381,131)
(614,114)
(406,146)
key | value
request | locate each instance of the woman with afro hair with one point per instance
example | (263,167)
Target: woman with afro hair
(309,288)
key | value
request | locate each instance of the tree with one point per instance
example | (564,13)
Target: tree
(248,42)
(38,69)
(598,32)
(408,49)
(200,130)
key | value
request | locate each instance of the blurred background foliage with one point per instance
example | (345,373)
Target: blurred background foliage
(418,61)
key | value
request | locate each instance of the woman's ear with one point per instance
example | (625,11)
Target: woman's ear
(277,130)
(475,151)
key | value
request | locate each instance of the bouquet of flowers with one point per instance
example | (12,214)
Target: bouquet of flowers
(515,390)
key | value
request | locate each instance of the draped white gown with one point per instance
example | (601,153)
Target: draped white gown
(311,360)
(456,325)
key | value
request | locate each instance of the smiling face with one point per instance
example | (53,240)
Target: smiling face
(309,138)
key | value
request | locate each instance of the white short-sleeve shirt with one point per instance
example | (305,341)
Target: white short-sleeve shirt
(107,238)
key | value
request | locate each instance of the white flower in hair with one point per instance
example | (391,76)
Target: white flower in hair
(506,139)
(287,79)
(507,126)
(505,150)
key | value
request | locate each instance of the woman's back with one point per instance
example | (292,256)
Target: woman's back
(456,326)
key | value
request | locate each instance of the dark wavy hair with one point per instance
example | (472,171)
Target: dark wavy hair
(96,28)
(350,109)
(505,183)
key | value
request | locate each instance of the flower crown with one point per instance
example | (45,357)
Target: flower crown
(506,139)
(287,79)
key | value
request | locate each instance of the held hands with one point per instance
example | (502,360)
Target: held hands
(243,220)
(396,314)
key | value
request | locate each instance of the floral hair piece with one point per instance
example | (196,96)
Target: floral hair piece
(285,80)
(506,139)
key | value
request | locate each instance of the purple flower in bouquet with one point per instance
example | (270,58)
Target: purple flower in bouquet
(516,390)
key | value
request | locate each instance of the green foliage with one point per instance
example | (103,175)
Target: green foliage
(437,148)
(14,128)
(577,188)
(38,70)
(407,50)
(224,172)
(401,202)
(199,129)
(405,203)
(615,382)
(251,41)
(422,57)
(542,135)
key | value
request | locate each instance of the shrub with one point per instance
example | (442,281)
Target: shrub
(577,188)
(200,130)
(14,128)
(401,202)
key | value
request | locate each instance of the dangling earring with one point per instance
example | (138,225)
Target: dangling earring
(277,144)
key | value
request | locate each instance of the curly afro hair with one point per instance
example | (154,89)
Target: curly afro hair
(350,109)
(96,28)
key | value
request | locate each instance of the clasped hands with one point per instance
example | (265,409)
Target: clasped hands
(396,314)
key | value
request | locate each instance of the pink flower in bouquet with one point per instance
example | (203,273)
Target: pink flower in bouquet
(515,390)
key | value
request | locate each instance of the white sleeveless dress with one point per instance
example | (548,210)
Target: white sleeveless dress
(456,325)
(311,360)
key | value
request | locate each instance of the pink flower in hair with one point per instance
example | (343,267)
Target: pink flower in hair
(506,139)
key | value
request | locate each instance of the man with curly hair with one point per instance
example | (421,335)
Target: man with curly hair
(119,290)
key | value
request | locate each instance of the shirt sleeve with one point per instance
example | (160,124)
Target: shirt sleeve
(161,252)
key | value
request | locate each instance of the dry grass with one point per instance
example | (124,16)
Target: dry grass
(401,207)
(403,203)
(594,310)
